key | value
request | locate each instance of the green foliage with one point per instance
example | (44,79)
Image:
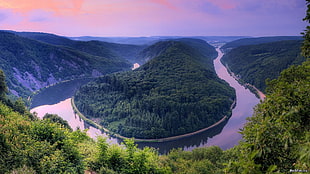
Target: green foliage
(256,41)
(56,119)
(19,106)
(174,93)
(256,63)
(200,160)
(306,33)
(41,146)
(92,46)
(126,159)
(3,86)
(23,170)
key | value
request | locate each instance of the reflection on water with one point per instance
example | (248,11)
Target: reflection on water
(64,110)
(187,143)
(246,101)
(60,92)
(56,100)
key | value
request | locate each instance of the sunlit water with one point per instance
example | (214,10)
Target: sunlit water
(224,135)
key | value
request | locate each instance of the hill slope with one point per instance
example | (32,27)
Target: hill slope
(93,47)
(256,63)
(31,65)
(176,92)
(255,41)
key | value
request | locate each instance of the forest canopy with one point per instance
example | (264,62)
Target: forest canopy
(254,64)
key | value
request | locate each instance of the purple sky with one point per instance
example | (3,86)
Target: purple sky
(155,17)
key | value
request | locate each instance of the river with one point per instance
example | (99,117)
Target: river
(56,100)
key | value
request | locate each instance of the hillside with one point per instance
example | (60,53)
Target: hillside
(256,63)
(30,65)
(159,47)
(176,92)
(94,47)
(255,41)
(153,39)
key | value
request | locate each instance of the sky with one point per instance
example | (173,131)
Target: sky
(155,17)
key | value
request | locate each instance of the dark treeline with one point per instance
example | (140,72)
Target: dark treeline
(256,41)
(174,93)
(256,63)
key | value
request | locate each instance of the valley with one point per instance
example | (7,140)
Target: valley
(225,135)
(176,92)
(219,140)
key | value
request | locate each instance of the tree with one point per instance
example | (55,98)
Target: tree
(306,33)
(56,119)
(3,86)
(19,106)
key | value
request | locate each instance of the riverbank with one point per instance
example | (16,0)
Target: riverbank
(92,123)
(259,94)
(65,86)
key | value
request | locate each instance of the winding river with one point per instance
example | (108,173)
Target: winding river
(57,100)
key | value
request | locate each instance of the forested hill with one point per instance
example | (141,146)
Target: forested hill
(256,63)
(176,92)
(94,47)
(255,41)
(159,47)
(30,65)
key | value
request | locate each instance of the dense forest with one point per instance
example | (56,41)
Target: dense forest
(254,64)
(31,65)
(176,92)
(94,47)
(256,41)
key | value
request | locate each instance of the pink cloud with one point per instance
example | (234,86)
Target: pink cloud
(151,17)
(164,3)
(57,6)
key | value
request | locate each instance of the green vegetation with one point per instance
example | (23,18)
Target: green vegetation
(174,93)
(254,64)
(56,119)
(306,33)
(30,65)
(93,46)
(256,41)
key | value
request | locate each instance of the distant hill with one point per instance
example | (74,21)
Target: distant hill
(123,40)
(94,46)
(176,92)
(259,40)
(47,38)
(159,47)
(256,63)
(30,64)
(153,39)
